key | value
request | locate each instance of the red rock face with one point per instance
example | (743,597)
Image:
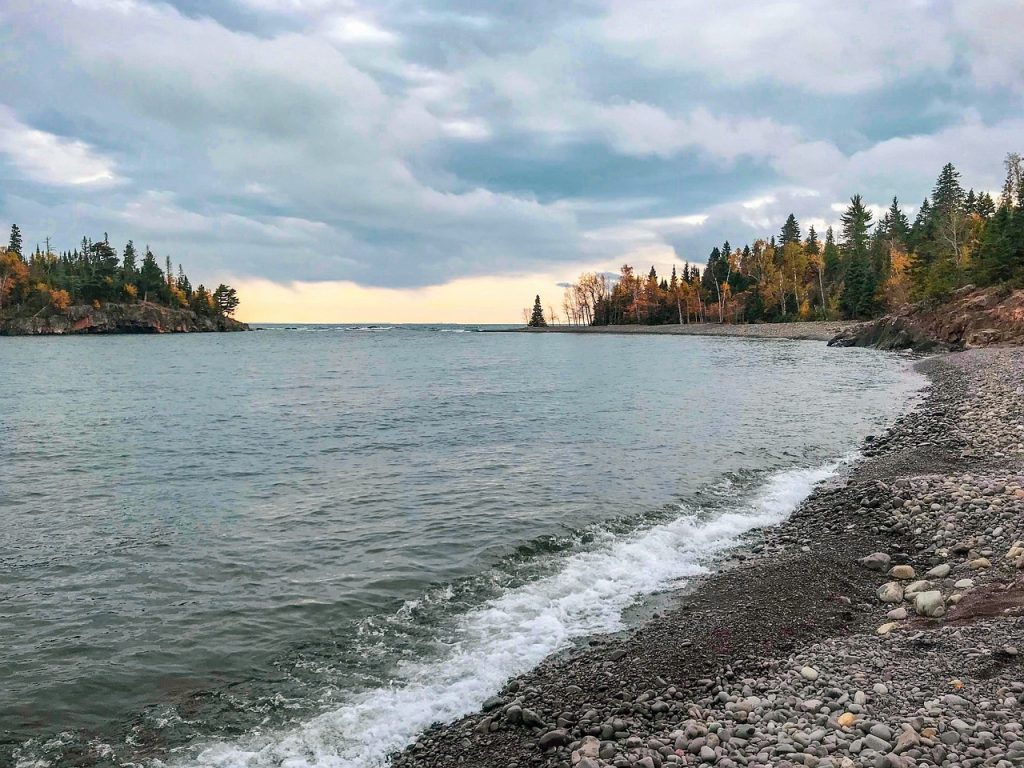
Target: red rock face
(970,318)
(118,318)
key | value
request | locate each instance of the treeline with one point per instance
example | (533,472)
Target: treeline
(94,274)
(865,269)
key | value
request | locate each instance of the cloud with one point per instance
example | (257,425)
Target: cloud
(817,45)
(51,159)
(411,144)
(348,29)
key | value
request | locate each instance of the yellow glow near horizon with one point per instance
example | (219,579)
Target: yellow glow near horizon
(469,300)
(487,299)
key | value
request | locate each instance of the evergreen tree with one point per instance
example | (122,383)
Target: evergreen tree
(225,299)
(129,265)
(856,223)
(894,226)
(151,279)
(536,319)
(813,247)
(948,194)
(971,202)
(183,282)
(832,258)
(790,232)
(994,263)
(14,246)
(858,297)
(708,278)
(985,206)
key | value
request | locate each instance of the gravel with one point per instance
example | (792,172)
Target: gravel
(815,331)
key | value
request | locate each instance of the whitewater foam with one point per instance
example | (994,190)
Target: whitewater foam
(513,633)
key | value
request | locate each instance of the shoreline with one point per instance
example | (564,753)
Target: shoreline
(787,654)
(824,330)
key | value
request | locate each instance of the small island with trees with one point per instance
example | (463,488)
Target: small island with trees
(93,289)
(954,274)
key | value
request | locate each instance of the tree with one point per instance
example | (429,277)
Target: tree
(947,192)
(815,259)
(858,289)
(856,221)
(790,232)
(832,258)
(151,279)
(225,299)
(202,302)
(129,265)
(895,226)
(13,274)
(947,250)
(15,243)
(536,319)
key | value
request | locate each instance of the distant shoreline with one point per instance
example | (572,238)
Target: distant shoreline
(118,319)
(812,331)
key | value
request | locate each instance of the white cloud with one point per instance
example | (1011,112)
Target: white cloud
(52,159)
(353,30)
(818,45)
(991,32)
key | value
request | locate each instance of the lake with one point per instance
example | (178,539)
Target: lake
(300,546)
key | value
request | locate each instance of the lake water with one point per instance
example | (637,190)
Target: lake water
(302,545)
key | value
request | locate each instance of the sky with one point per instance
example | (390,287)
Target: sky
(345,161)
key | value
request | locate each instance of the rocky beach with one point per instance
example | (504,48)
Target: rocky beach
(881,625)
(823,330)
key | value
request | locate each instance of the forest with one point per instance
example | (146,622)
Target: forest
(865,269)
(94,274)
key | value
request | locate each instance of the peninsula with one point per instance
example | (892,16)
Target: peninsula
(92,289)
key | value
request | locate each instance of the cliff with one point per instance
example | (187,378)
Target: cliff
(143,317)
(970,318)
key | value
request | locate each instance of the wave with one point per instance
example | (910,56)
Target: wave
(514,632)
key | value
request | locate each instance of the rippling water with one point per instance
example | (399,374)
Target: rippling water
(302,545)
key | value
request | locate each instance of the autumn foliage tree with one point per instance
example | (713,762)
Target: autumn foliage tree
(93,274)
(859,270)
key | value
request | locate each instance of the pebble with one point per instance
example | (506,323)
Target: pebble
(902,572)
(809,673)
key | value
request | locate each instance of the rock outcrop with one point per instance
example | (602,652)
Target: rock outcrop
(143,317)
(971,318)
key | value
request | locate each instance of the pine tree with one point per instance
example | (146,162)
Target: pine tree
(895,226)
(858,298)
(129,265)
(994,261)
(948,194)
(536,319)
(790,232)
(985,207)
(707,280)
(832,258)
(225,299)
(14,246)
(151,279)
(856,226)
(813,247)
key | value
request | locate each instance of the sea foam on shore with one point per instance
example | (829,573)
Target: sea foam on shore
(513,633)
